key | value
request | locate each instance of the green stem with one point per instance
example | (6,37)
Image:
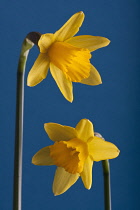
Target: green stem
(31,39)
(107,190)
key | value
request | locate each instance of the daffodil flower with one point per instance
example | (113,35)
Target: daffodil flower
(67,57)
(74,151)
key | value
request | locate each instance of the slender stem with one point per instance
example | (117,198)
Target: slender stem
(107,190)
(27,44)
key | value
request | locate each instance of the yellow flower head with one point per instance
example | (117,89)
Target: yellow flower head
(74,151)
(67,57)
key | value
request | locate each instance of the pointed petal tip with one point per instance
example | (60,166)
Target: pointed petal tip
(81,12)
(33,83)
(33,161)
(55,194)
(107,42)
(100,83)
(45,124)
(88,187)
(29,84)
(86,119)
(118,151)
(70,100)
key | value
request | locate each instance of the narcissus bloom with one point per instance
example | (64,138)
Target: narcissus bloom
(67,57)
(74,151)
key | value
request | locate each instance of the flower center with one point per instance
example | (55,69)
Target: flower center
(73,61)
(70,155)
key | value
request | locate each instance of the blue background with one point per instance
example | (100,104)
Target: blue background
(112,107)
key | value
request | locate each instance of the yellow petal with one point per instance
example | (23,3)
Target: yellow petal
(64,85)
(42,157)
(84,129)
(57,132)
(86,174)
(89,42)
(70,28)
(94,78)
(102,150)
(45,42)
(63,181)
(39,70)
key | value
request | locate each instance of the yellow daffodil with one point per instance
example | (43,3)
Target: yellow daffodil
(67,57)
(74,151)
